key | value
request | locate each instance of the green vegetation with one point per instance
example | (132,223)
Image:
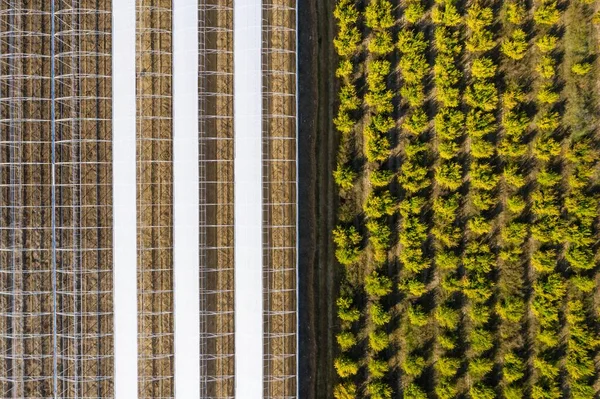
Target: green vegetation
(467,176)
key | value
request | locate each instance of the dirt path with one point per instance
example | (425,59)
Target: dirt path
(317,149)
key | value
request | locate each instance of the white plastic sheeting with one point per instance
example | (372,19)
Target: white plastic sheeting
(186,199)
(247,90)
(124,199)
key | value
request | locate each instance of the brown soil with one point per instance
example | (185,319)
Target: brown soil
(82,203)
(155,193)
(216,193)
(317,198)
(279,174)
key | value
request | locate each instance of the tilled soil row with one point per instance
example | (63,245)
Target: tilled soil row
(216,198)
(82,316)
(279,174)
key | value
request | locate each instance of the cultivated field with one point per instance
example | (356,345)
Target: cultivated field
(155,198)
(216,198)
(279,174)
(80,198)
(468,185)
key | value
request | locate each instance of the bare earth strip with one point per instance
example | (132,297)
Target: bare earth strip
(216,199)
(317,149)
(279,174)
(155,196)
(25,205)
(84,192)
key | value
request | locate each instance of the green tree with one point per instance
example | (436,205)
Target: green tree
(413,365)
(482,95)
(413,177)
(347,240)
(344,177)
(479,17)
(515,47)
(547,14)
(379,205)
(412,42)
(381,43)
(416,121)
(413,391)
(483,177)
(346,312)
(449,175)
(379,316)
(483,68)
(381,178)
(548,121)
(344,123)
(482,391)
(413,287)
(480,41)
(547,95)
(345,69)
(514,176)
(377,145)
(546,43)
(417,317)
(378,340)
(414,11)
(447,366)
(446,389)
(377,368)
(413,93)
(581,68)
(346,340)
(447,317)
(478,368)
(378,14)
(515,204)
(345,367)
(479,225)
(446,14)
(513,368)
(379,390)
(515,13)
(481,340)
(546,67)
(347,41)
(345,390)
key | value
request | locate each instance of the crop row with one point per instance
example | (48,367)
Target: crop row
(467,173)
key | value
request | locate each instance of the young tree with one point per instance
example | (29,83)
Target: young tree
(379,316)
(413,365)
(547,14)
(546,43)
(379,205)
(346,312)
(381,178)
(345,367)
(449,175)
(345,390)
(378,340)
(344,177)
(581,68)
(377,368)
(515,47)
(346,340)
(483,68)
(347,240)
(377,285)
(378,14)
(379,390)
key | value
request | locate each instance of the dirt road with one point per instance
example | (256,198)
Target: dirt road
(317,197)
